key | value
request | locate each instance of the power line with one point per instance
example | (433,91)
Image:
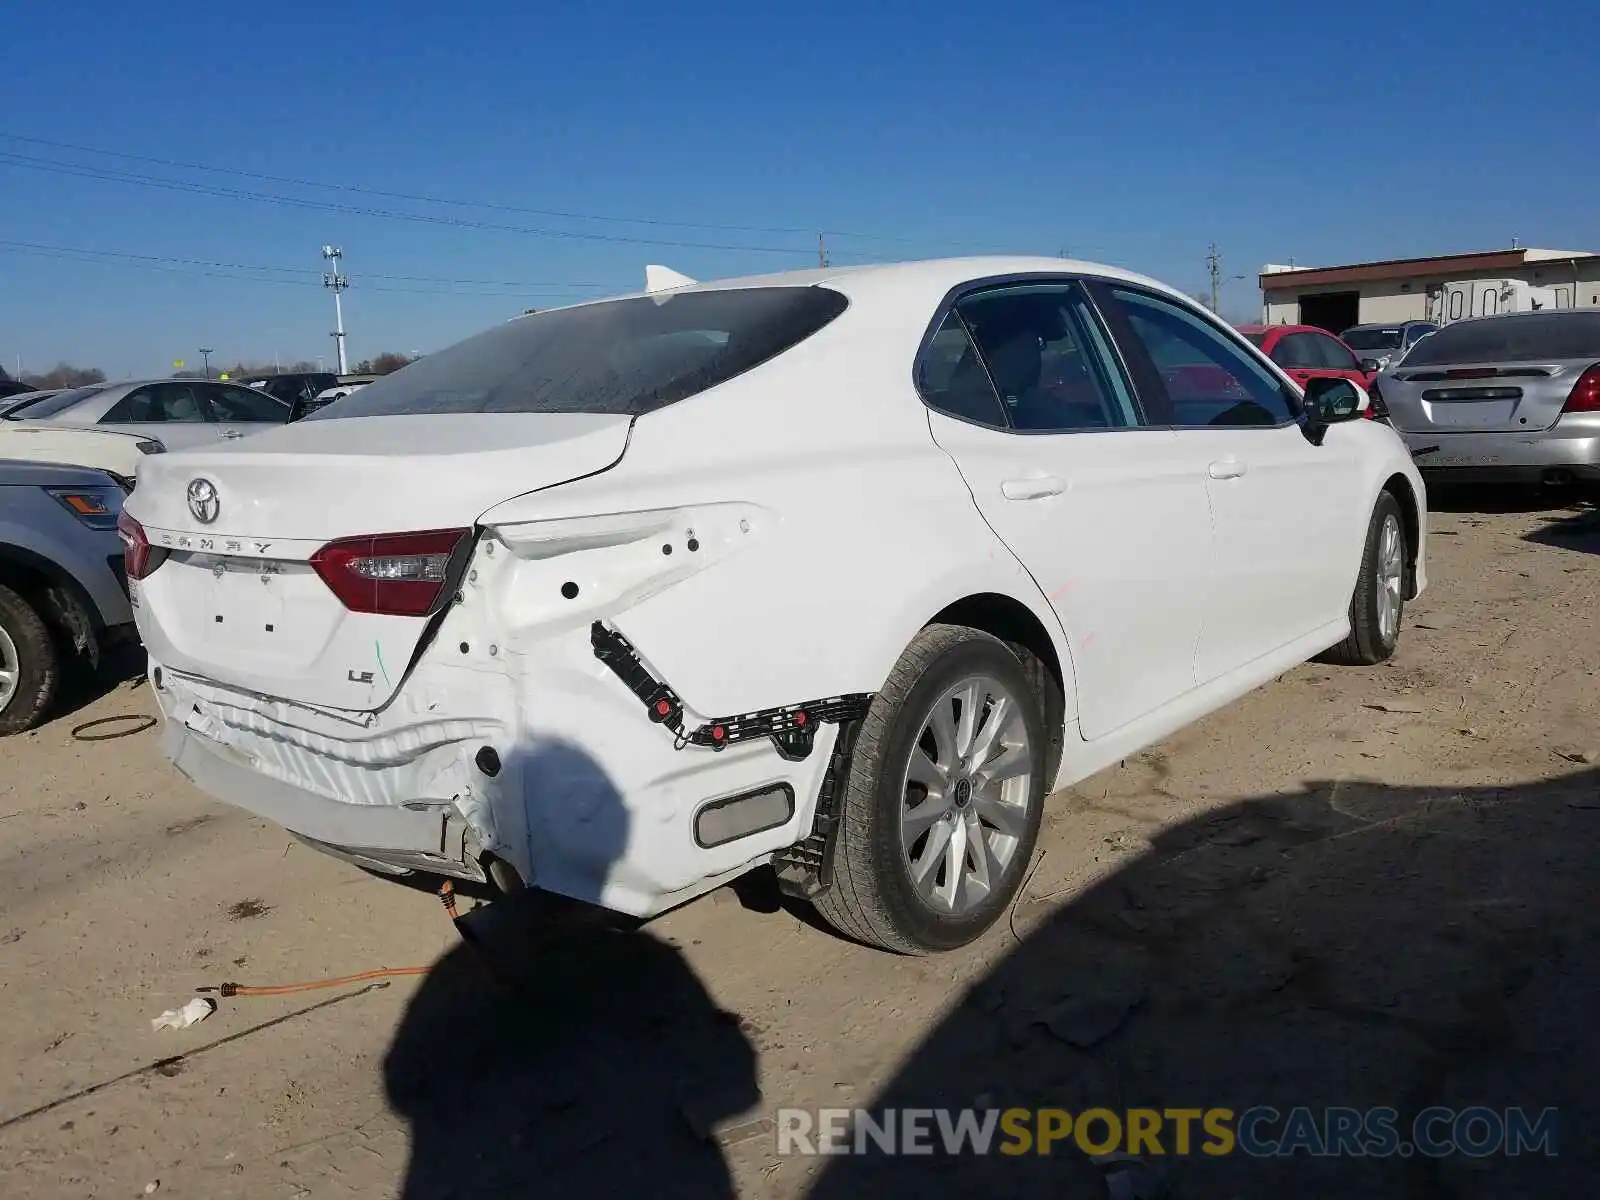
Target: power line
(357,189)
(310,278)
(231,266)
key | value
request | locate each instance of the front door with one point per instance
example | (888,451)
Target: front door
(1107,514)
(1280,505)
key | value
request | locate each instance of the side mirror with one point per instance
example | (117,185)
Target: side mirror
(1330,402)
(1369,365)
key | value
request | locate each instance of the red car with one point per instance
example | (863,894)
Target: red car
(1306,352)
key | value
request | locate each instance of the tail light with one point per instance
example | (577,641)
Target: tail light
(139,557)
(1585,394)
(1377,410)
(396,574)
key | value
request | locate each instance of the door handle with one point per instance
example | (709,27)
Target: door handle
(1035,488)
(232,433)
(1226,469)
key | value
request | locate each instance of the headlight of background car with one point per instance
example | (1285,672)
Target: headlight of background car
(96,507)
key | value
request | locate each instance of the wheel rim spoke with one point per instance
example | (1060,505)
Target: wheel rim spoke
(966,796)
(1007,819)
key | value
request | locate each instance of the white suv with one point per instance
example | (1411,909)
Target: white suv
(842,571)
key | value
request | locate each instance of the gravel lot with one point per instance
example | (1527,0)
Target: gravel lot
(1357,887)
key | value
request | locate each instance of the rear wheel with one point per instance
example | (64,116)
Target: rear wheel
(29,664)
(1379,600)
(943,797)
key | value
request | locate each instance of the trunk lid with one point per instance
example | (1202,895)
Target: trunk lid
(1481,397)
(237,598)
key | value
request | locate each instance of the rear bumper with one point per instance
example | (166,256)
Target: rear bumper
(583,796)
(1571,445)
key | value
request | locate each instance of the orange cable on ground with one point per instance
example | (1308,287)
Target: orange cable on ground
(447,896)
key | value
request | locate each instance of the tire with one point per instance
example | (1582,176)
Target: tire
(874,898)
(28,652)
(1371,640)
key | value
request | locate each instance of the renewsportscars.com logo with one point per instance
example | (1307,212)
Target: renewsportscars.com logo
(1259,1132)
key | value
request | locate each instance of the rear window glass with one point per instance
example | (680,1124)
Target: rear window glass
(620,357)
(1530,337)
(49,406)
(1372,339)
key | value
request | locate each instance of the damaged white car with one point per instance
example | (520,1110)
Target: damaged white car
(840,571)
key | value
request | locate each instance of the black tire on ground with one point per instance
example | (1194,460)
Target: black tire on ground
(872,898)
(1366,645)
(39,664)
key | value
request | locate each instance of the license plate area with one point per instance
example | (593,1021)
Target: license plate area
(263,610)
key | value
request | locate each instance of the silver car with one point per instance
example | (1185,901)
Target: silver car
(1380,346)
(178,413)
(1514,397)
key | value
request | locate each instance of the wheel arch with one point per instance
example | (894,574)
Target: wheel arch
(1398,486)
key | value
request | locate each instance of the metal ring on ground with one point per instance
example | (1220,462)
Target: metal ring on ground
(148,722)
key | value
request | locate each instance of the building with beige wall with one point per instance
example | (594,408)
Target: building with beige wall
(1335,298)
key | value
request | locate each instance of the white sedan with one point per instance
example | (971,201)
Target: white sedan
(840,571)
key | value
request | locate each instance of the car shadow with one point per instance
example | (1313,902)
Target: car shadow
(1500,499)
(555,1054)
(1575,531)
(81,685)
(1352,944)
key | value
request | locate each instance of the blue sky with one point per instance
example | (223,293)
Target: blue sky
(1130,133)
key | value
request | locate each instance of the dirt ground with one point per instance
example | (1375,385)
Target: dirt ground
(1354,887)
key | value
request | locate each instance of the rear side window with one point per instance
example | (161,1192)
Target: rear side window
(620,357)
(49,406)
(1518,338)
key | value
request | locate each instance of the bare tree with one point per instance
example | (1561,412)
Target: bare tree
(65,375)
(384,364)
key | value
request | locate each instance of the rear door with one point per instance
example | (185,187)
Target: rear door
(1107,514)
(172,412)
(1280,506)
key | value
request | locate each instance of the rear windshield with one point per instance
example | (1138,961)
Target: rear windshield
(49,406)
(619,357)
(1521,337)
(1373,339)
(1256,339)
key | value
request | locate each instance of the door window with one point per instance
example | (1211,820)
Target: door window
(238,404)
(953,380)
(1336,356)
(1048,359)
(1209,380)
(157,403)
(1297,352)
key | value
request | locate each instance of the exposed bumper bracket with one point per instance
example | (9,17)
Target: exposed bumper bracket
(792,727)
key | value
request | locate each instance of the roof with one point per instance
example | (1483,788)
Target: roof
(1402,268)
(925,275)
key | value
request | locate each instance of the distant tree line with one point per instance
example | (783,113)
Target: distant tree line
(63,375)
(381,364)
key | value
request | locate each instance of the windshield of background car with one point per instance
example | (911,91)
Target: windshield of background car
(1362,340)
(49,406)
(619,357)
(1521,337)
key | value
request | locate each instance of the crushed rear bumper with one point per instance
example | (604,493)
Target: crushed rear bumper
(1570,446)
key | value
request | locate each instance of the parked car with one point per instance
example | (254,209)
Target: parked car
(292,387)
(63,591)
(842,571)
(1514,397)
(1306,353)
(13,387)
(1380,346)
(18,399)
(173,412)
(346,385)
(113,451)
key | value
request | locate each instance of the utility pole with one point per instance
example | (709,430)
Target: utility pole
(822,250)
(1214,263)
(205,355)
(338,282)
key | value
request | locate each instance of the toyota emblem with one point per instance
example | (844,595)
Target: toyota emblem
(203,502)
